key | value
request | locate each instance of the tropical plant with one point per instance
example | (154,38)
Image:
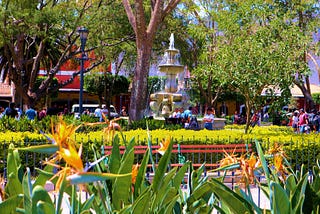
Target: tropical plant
(288,192)
(115,185)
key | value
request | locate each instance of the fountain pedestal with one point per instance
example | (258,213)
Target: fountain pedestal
(164,103)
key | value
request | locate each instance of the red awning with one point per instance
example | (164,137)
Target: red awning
(74,85)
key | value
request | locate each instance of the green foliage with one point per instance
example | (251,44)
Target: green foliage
(247,46)
(316,97)
(98,83)
(111,188)
(300,148)
(156,83)
(287,195)
(45,124)
(53,84)
(152,125)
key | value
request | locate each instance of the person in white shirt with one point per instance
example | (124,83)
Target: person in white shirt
(208,119)
(97,112)
(295,121)
(104,111)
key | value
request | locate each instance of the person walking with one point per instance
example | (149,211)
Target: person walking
(103,113)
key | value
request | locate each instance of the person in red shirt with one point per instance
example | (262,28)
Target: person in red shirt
(303,121)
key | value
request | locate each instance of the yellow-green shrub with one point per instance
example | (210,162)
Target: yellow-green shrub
(297,146)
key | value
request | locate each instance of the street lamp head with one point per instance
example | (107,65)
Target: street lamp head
(83,32)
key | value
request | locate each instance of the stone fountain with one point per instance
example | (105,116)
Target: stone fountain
(165,102)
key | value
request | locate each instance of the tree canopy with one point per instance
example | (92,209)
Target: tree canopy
(249,46)
(43,34)
(105,85)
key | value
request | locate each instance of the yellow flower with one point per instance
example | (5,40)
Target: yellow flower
(61,135)
(246,167)
(228,159)
(111,128)
(72,157)
(252,161)
(67,147)
(278,162)
(61,176)
(164,145)
(135,169)
(278,155)
(276,148)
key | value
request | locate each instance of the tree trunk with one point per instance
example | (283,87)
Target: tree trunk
(138,102)
(306,94)
(248,115)
(145,34)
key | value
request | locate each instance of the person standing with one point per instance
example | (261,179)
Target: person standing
(209,119)
(303,121)
(97,112)
(86,112)
(42,113)
(2,113)
(295,121)
(235,118)
(20,113)
(124,111)
(11,111)
(31,113)
(104,113)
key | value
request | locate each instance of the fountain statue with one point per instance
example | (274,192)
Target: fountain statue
(165,102)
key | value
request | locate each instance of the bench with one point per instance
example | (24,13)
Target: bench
(197,154)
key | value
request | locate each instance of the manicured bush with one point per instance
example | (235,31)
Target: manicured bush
(300,148)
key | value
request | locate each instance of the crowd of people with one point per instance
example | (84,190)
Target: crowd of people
(31,113)
(300,120)
(303,122)
(187,118)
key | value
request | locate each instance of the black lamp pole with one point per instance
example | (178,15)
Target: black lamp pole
(83,32)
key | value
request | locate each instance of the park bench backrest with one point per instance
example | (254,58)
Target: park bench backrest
(197,154)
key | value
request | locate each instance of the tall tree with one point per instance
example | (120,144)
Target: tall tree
(145,21)
(261,47)
(201,33)
(304,16)
(43,34)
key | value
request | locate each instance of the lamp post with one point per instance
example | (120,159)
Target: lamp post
(83,32)
(187,80)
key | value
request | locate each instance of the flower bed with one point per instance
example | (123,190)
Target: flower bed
(123,180)
(300,148)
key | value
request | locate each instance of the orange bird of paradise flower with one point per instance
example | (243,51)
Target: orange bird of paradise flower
(134,175)
(67,149)
(164,145)
(61,135)
(112,126)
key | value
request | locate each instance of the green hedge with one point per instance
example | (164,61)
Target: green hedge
(300,148)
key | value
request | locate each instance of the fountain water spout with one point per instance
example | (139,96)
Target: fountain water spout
(171,44)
